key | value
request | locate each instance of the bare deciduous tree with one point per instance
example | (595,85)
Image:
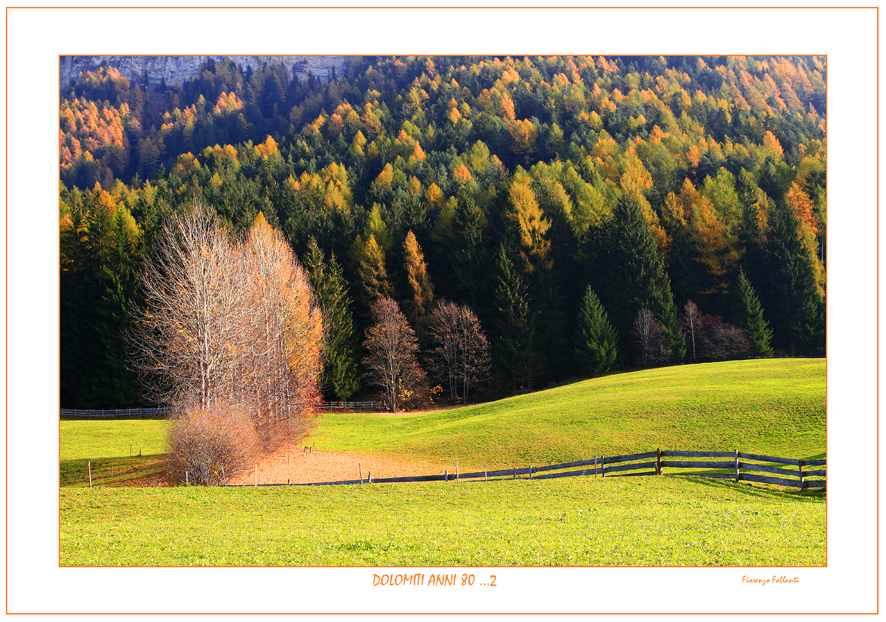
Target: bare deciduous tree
(228,328)
(690,323)
(650,338)
(391,355)
(461,355)
(194,314)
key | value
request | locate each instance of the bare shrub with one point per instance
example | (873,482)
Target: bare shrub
(721,341)
(711,338)
(211,445)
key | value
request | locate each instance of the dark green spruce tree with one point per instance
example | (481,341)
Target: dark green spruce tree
(597,348)
(799,304)
(466,253)
(637,276)
(339,377)
(750,315)
(515,326)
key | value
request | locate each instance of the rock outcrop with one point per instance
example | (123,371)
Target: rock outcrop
(152,70)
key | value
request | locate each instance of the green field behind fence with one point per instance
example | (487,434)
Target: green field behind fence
(774,407)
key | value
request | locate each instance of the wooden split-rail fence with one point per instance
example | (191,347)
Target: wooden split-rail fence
(738,466)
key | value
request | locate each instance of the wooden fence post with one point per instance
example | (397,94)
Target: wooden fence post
(515,471)
(737,465)
(530,471)
(595,465)
(658,462)
(89,471)
(802,479)
(603,465)
(360,469)
(446,475)
(224,478)
(187,482)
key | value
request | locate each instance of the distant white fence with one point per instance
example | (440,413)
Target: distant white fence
(352,405)
(110,413)
(116,412)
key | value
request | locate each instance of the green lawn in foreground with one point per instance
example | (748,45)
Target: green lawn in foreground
(583,521)
(774,406)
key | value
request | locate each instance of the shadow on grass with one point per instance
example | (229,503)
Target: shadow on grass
(759,490)
(122,471)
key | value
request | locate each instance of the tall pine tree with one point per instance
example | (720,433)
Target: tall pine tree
(515,324)
(750,314)
(597,348)
(799,312)
(637,276)
(339,377)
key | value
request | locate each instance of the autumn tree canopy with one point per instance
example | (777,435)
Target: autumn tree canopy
(505,184)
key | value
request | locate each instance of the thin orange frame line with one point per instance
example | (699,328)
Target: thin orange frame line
(715,7)
(468,613)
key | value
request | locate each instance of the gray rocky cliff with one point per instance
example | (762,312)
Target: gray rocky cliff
(178,69)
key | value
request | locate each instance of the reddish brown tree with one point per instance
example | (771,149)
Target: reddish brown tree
(391,361)
(460,357)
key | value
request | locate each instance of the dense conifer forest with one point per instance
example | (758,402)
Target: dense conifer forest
(594,214)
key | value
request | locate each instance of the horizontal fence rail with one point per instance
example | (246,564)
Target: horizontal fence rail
(798,477)
(116,412)
(740,467)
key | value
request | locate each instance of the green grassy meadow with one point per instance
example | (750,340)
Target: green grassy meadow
(775,407)
(133,448)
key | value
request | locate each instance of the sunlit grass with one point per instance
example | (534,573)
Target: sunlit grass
(762,406)
(770,407)
(649,521)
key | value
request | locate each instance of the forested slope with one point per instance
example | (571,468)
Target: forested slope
(524,181)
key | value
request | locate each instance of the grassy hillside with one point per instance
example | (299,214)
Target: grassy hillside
(654,521)
(766,406)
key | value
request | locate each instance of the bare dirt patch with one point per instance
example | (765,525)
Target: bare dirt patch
(292,464)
